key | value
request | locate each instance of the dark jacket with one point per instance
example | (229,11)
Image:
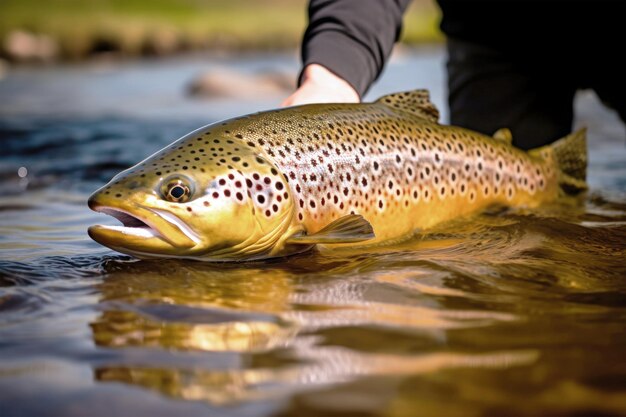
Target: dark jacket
(353,38)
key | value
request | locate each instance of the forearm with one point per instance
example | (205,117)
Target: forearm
(352,38)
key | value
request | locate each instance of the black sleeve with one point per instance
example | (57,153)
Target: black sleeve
(352,38)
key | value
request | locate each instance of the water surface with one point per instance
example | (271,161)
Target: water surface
(510,313)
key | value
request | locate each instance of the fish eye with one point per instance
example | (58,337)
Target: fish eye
(176,190)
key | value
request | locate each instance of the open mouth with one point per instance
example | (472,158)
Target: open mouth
(131,225)
(150,227)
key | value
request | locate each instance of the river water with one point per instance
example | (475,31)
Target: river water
(514,313)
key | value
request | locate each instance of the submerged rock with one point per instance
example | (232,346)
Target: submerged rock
(162,43)
(21,45)
(222,83)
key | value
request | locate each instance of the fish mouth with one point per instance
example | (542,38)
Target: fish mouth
(144,231)
(131,225)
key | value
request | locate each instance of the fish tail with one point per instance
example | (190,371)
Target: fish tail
(570,156)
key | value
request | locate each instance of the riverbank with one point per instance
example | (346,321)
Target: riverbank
(70,30)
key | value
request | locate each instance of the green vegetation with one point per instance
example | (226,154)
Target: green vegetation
(80,28)
(421,23)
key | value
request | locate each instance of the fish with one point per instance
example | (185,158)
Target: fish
(280,182)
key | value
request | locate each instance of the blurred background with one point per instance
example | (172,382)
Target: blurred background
(60,30)
(155,58)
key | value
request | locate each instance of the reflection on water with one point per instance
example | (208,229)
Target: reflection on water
(270,319)
(509,313)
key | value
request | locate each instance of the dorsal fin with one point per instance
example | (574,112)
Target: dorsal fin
(416,102)
(347,229)
(504,135)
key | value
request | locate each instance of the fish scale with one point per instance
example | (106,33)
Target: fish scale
(418,167)
(276,182)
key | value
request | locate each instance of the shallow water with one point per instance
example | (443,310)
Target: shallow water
(514,313)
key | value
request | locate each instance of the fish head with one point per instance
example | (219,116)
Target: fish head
(209,196)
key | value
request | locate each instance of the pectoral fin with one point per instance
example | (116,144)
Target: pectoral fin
(347,229)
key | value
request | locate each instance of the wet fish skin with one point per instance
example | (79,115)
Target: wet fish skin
(277,182)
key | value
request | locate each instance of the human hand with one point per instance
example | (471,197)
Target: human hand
(319,85)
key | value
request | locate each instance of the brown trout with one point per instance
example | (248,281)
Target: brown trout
(279,182)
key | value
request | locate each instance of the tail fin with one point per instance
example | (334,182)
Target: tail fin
(570,156)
